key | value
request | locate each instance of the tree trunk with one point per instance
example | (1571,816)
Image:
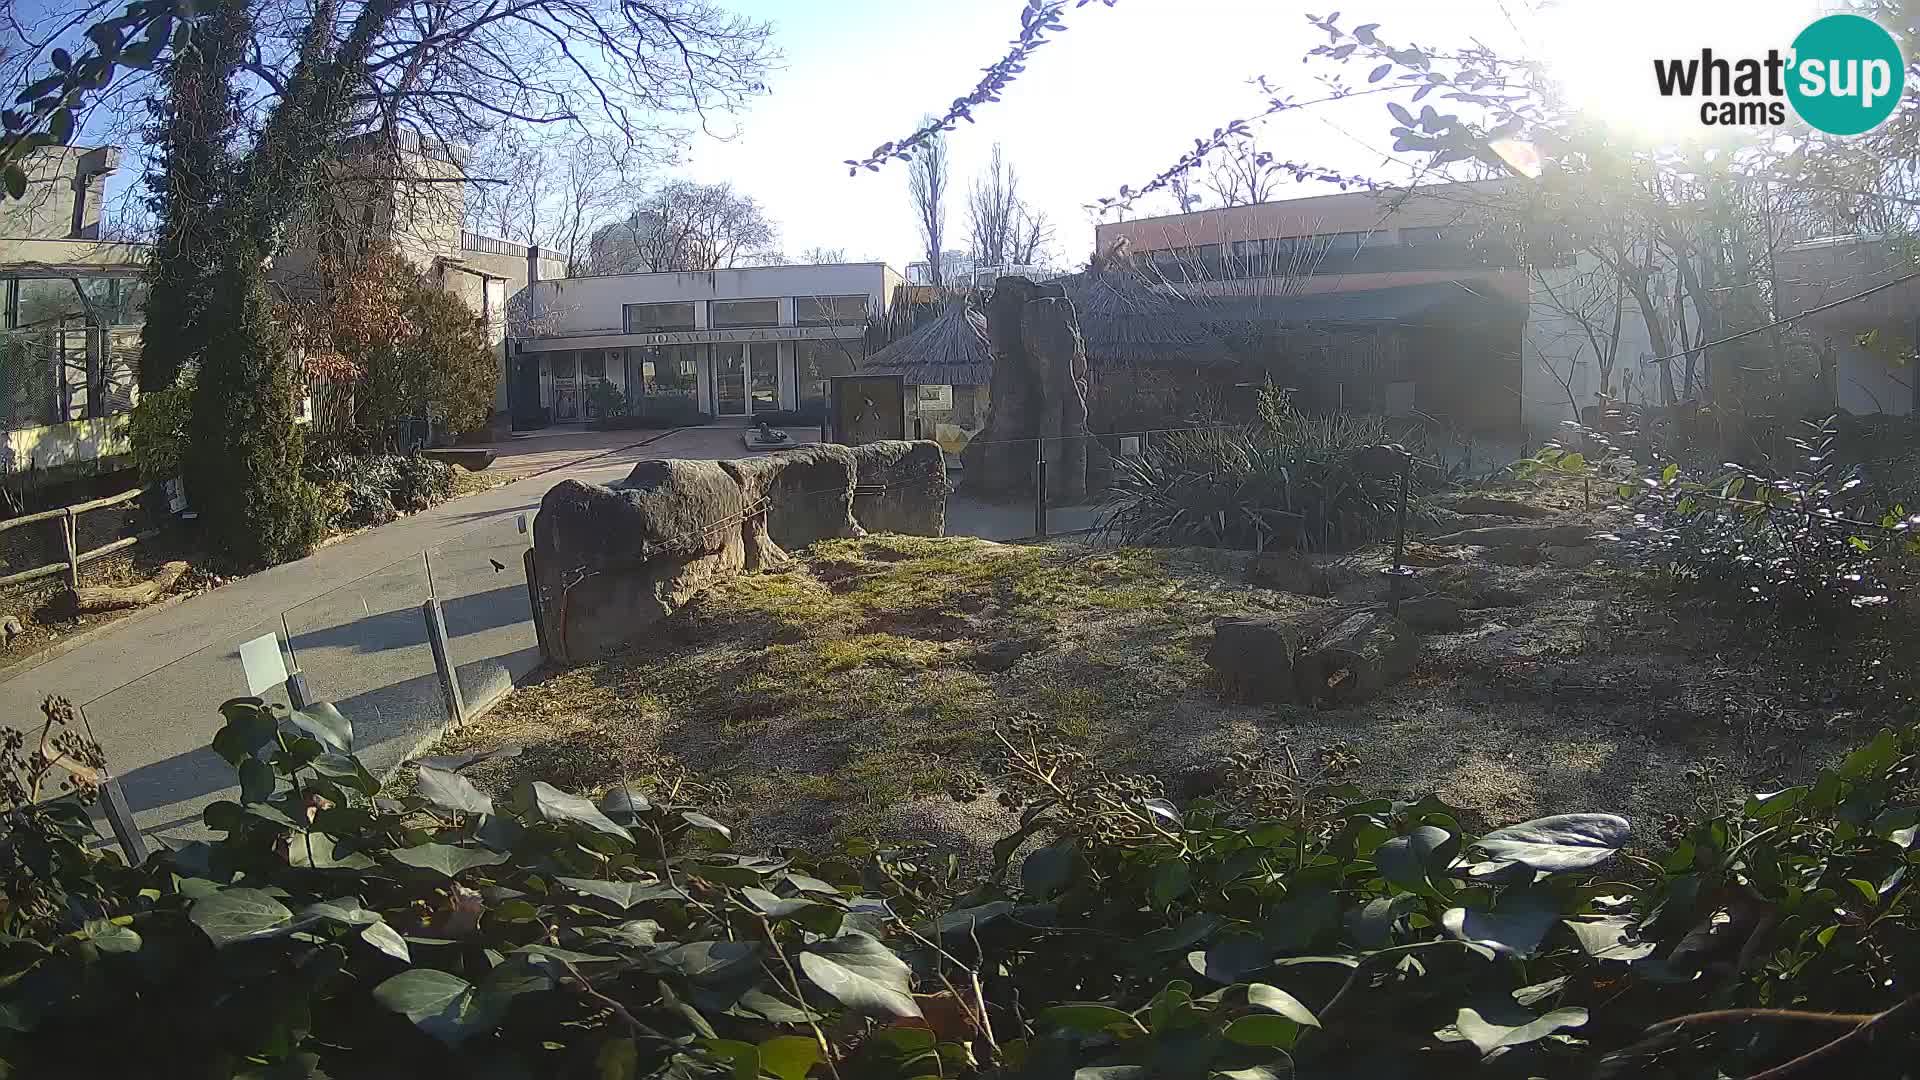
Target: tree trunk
(97,599)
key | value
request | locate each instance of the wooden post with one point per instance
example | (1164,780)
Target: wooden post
(67,523)
(113,802)
(1039,487)
(443,662)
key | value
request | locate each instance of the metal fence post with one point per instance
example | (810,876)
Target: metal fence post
(443,662)
(1040,487)
(113,802)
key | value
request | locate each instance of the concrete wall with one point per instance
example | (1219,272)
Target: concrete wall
(78,443)
(1555,347)
(1348,211)
(596,304)
(65,186)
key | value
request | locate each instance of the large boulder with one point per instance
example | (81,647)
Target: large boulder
(609,562)
(1039,395)
(902,487)
(1362,655)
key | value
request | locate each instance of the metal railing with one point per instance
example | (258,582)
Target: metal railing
(473,241)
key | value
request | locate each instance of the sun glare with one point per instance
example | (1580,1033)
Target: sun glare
(1602,52)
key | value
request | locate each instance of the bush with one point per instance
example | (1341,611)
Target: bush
(374,489)
(244,452)
(1293,927)
(1287,482)
(606,400)
(157,427)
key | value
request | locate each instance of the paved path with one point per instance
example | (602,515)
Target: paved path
(352,613)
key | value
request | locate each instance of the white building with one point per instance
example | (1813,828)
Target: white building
(719,343)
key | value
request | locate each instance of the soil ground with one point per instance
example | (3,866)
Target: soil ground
(859,691)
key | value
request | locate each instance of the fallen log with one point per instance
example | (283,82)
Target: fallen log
(95,599)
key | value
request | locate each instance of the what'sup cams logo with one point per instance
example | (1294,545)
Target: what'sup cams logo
(1843,75)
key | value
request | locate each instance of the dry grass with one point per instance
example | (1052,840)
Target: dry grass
(859,691)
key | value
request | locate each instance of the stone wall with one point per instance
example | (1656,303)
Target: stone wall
(612,561)
(1038,399)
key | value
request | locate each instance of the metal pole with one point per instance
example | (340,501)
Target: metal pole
(1039,487)
(442,662)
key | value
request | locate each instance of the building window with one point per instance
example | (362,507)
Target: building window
(727,314)
(655,318)
(1424,235)
(593,365)
(1345,243)
(829,310)
(669,377)
(815,363)
(763,367)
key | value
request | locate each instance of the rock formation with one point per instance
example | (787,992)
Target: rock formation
(1039,392)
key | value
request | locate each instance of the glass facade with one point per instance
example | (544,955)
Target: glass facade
(829,310)
(764,367)
(653,318)
(729,314)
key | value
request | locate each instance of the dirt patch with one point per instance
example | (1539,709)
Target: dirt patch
(44,623)
(859,691)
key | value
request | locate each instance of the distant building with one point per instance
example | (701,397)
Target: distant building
(1404,303)
(1858,365)
(717,343)
(70,311)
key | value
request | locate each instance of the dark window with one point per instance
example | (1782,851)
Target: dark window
(724,314)
(654,318)
(829,310)
(1424,235)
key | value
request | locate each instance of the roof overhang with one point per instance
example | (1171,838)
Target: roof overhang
(692,337)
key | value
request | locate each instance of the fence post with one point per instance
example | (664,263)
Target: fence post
(443,662)
(533,603)
(113,802)
(1040,487)
(67,526)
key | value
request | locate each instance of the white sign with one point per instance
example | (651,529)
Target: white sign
(265,667)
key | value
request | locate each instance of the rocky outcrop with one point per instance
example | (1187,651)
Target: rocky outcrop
(1338,656)
(902,487)
(611,561)
(1038,402)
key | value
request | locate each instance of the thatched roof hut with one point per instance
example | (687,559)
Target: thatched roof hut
(1126,320)
(951,350)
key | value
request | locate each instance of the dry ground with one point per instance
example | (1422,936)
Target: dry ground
(859,691)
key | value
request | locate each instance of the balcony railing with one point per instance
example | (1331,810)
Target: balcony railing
(472,241)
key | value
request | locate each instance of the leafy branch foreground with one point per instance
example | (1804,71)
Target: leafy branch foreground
(1293,928)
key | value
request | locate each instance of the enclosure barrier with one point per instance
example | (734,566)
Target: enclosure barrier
(67,516)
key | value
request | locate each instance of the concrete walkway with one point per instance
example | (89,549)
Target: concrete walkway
(150,687)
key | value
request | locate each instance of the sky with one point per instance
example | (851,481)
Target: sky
(1124,91)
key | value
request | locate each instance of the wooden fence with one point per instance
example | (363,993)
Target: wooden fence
(67,516)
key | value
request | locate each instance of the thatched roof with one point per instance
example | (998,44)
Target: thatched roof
(949,351)
(1125,319)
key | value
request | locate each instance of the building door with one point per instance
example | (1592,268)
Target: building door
(764,368)
(593,376)
(730,379)
(524,394)
(566,388)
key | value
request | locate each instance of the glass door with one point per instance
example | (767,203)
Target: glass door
(566,388)
(730,379)
(764,362)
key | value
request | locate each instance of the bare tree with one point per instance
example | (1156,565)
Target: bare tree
(822,256)
(551,187)
(1181,188)
(1242,175)
(687,226)
(927,182)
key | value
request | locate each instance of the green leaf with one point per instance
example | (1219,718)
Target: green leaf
(1610,938)
(1190,932)
(1489,1036)
(452,791)
(325,723)
(445,859)
(557,806)
(1301,919)
(1408,860)
(743,1056)
(1263,1029)
(1866,889)
(1516,923)
(237,914)
(444,1006)
(639,933)
(710,961)
(249,726)
(789,1057)
(1669,474)
(387,940)
(345,910)
(1171,880)
(861,974)
(1766,806)
(1047,870)
(1372,925)
(110,937)
(624,802)
(623,893)
(321,852)
(1274,999)
(966,921)
(705,824)
(1090,1017)
(1558,843)
(256,781)
(538,951)
(1114,1072)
